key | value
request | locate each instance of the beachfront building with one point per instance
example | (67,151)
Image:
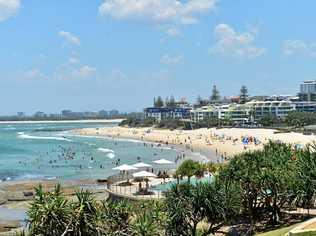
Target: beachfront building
(204,113)
(164,113)
(308,91)
(236,112)
(251,111)
(279,109)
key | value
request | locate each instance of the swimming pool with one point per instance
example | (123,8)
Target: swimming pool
(166,186)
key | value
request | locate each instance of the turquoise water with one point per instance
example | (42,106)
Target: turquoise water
(50,150)
(165,187)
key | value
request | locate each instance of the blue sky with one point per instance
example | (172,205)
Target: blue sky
(104,54)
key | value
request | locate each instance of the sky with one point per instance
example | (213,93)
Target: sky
(104,54)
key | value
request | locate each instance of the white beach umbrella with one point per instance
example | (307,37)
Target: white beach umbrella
(163,162)
(141,165)
(125,168)
(144,174)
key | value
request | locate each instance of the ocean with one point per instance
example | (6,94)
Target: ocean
(51,151)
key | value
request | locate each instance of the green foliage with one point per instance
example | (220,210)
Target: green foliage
(269,120)
(190,205)
(300,119)
(170,102)
(50,213)
(215,97)
(114,218)
(243,94)
(189,168)
(149,219)
(306,175)
(265,179)
(171,124)
(136,122)
(84,210)
(254,185)
(158,102)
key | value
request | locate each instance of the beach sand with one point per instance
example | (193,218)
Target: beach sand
(14,202)
(226,142)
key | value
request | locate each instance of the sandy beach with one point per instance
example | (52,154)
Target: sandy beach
(226,142)
(16,196)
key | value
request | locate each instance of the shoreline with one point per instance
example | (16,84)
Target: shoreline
(15,196)
(62,121)
(213,143)
(200,155)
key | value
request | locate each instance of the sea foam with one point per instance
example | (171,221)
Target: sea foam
(106,150)
(109,153)
(22,135)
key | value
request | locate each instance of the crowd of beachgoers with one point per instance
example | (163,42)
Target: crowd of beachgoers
(224,143)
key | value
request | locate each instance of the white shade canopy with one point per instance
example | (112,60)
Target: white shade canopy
(141,165)
(163,162)
(125,168)
(144,174)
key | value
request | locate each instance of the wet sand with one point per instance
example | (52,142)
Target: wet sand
(15,197)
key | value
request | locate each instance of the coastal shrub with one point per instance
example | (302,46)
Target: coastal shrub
(50,213)
(84,221)
(189,168)
(306,176)
(114,218)
(149,218)
(188,206)
(269,120)
(266,181)
(300,119)
(137,122)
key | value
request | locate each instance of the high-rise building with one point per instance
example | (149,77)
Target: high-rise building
(308,91)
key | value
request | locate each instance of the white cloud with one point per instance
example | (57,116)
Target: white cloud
(157,11)
(171,60)
(9,8)
(73,60)
(172,31)
(232,43)
(33,74)
(69,37)
(299,47)
(84,71)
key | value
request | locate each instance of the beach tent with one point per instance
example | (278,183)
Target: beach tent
(125,168)
(141,165)
(163,162)
(144,174)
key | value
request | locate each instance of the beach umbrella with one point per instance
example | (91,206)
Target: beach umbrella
(141,165)
(163,162)
(125,168)
(144,174)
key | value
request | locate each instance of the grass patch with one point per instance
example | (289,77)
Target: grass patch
(278,232)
